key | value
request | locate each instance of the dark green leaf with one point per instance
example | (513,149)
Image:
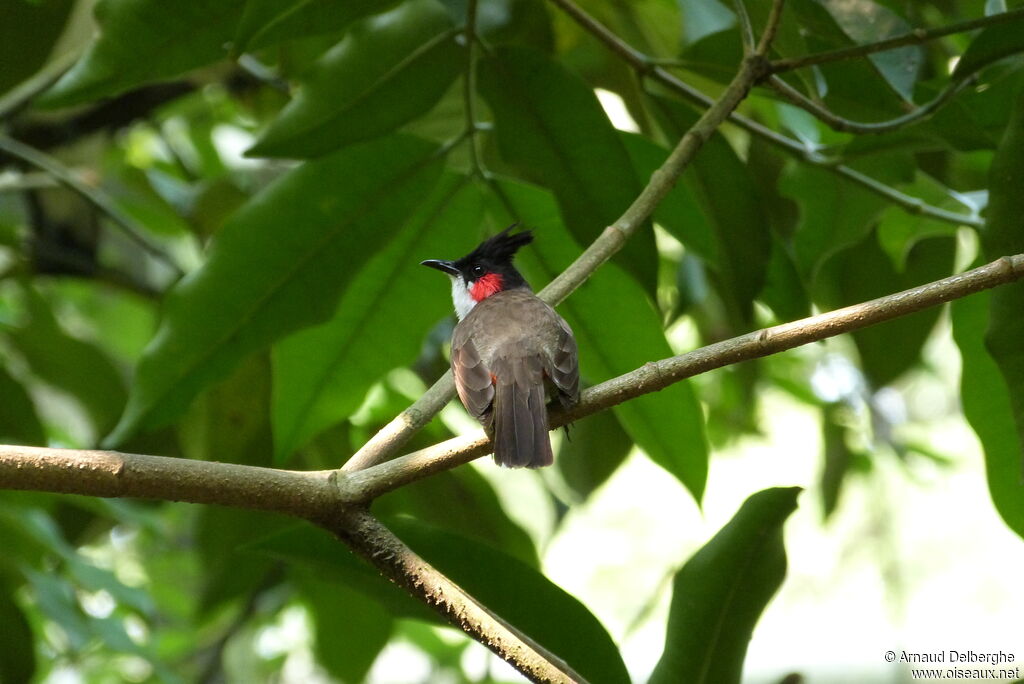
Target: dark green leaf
(17,647)
(837,459)
(73,366)
(834,214)
(593,450)
(388,70)
(991,44)
(729,199)
(351,629)
(865,272)
(1002,236)
(28,31)
(987,406)
(141,41)
(551,128)
(617,331)
(471,508)
(321,375)
(278,265)
(266,22)
(230,421)
(718,596)
(509,587)
(19,423)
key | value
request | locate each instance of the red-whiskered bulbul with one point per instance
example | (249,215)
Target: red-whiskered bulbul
(510,351)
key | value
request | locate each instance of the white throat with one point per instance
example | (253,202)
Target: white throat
(463,300)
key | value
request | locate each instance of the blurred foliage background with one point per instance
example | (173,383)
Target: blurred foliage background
(210,230)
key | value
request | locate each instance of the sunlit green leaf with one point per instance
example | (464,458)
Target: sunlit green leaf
(718,596)
(277,266)
(388,69)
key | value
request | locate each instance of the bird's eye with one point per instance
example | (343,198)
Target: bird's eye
(477,271)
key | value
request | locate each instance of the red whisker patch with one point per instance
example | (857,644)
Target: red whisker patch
(486,286)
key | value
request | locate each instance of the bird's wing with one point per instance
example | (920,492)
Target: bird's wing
(472,379)
(563,367)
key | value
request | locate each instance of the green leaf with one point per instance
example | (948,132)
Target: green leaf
(73,366)
(388,69)
(718,596)
(868,22)
(28,31)
(351,629)
(989,45)
(512,589)
(552,130)
(617,331)
(987,406)
(742,234)
(266,22)
(472,509)
(834,214)
(593,450)
(278,265)
(1003,235)
(837,459)
(230,421)
(142,41)
(17,646)
(19,423)
(321,375)
(865,272)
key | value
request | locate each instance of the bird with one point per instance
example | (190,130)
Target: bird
(511,352)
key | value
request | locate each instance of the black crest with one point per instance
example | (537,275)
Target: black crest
(499,248)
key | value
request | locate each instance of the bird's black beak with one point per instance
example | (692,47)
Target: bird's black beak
(441,265)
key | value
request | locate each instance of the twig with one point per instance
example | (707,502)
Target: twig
(392,436)
(844,125)
(94,196)
(915,37)
(644,66)
(746,28)
(651,377)
(368,537)
(22,95)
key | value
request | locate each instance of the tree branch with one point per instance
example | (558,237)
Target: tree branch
(657,375)
(334,500)
(915,37)
(392,436)
(838,123)
(92,195)
(647,67)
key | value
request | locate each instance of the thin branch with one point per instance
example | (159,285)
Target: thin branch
(94,196)
(844,125)
(746,28)
(645,66)
(21,96)
(651,377)
(368,537)
(915,37)
(392,436)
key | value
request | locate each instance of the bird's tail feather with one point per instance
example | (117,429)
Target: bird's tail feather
(520,415)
